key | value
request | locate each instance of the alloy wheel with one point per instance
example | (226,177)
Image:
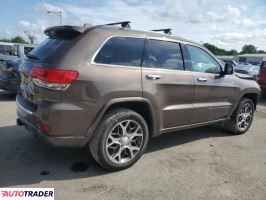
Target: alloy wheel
(124,141)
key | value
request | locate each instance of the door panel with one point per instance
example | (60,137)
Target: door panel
(172,95)
(167,85)
(213,97)
(214,92)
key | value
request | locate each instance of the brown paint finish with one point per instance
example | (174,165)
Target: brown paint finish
(174,99)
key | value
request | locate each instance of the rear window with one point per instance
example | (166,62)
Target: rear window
(121,51)
(47,48)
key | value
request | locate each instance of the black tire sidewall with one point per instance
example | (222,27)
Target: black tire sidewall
(108,125)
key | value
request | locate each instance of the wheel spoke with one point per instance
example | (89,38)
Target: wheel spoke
(136,133)
(124,127)
(244,117)
(113,141)
(124,141)
(118,154)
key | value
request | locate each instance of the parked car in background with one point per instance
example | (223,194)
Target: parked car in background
(114,88)
(9,51)
(10,58)
(251,70)
(262,78)
(231,62)
(9,75)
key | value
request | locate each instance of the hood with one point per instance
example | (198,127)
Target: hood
(244,76)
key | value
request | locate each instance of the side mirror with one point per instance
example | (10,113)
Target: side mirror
(228,69)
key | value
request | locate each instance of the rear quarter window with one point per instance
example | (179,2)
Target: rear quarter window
(124,51)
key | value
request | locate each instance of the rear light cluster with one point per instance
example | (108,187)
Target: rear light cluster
(45,128)
(54,79)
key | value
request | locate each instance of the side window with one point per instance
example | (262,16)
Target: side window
(166,55)
(121,51)
(201,61)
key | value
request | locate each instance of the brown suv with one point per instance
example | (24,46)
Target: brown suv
(114,88)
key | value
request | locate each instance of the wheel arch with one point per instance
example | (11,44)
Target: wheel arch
(253,97)
(140,105)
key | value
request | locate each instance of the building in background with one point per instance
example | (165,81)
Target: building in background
(253,59)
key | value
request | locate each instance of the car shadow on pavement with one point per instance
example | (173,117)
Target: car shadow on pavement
(24,160)
(181,137)
(7,96)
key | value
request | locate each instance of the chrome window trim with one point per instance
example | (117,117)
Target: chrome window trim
(163,38)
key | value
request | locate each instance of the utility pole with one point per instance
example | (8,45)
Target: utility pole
(58,13)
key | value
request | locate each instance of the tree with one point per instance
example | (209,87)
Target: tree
(4,40)
(249,48)
(232,52)
(31,37)
(18,39)
(218,51)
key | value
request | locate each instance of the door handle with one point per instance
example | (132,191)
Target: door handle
(153,76)
(202,79)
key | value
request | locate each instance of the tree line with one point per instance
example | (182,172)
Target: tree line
(248,48)
(17,39)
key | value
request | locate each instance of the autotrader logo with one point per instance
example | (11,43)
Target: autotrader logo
(27,193)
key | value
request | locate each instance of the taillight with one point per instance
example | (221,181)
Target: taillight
(55,79)
(45,128)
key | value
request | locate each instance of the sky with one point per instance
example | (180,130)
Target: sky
(228,24)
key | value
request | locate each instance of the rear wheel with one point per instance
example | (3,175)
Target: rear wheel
(242,118)
(119,140)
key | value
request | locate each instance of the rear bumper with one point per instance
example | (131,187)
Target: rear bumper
(30,120)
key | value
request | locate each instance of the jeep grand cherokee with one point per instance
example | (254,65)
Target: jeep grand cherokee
(114,88)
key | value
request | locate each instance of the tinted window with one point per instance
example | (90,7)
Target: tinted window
(27,50)
(121,51)
(165,55)
(201,61)
(48,48)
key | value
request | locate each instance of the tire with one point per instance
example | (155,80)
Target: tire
(240,123)
(110,148)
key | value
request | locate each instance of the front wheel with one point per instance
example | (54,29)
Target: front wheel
(242,118)
(119,140)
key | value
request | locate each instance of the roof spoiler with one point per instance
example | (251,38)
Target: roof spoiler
(124,24)
(165,31)
(64,31)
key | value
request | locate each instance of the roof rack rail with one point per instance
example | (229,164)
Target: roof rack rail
(124,24)
(165,31)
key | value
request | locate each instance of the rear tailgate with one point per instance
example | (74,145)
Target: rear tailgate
(46,55)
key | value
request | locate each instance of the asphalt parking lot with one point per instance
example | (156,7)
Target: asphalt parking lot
(202,163)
